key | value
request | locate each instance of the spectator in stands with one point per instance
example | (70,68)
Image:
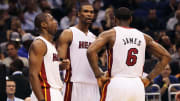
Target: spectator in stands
(10,91)
(23,88)
(167,8)
(4,24)
(100,14)
(45,6)
(22,4)
(175,62)
(109,19)
(95,27)
(55,3)
(31,13)
(69,20)
(173,21)
(13,7)
(24,23)
(165,41)
(15,38)
(3,5)
(26,41)
(1,56)
(176,55)
(164,80)
(12,55)
(152,22)
(176,37)
(15,27)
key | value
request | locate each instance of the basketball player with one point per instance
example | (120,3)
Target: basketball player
(81,84)
(44,62)
(126,55)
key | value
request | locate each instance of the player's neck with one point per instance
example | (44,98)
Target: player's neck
(124,24)
(82,27)
(47,36)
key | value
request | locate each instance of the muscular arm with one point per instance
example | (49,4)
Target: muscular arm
(36,54)
(161,53)
(64,41)
(105,38)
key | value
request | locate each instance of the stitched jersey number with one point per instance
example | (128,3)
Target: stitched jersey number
(131,57)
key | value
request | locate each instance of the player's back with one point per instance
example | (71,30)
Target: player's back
(126,59)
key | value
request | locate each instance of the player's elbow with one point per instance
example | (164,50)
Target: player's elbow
(167,58)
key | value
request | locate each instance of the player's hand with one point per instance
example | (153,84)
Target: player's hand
(145,81)
(102,80)
(64,64)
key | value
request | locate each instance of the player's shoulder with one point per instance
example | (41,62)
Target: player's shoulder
(147,37)
(67,31)
(38,44)
(66,35)
(111,31)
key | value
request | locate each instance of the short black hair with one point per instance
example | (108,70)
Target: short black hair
(39,19)
(82,4)
(12,43)
(122,13)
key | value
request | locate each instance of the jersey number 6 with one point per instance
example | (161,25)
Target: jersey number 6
(131,57)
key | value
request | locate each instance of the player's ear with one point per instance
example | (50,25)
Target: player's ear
(43,25)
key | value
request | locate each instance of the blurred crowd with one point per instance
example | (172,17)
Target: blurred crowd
(158,18)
